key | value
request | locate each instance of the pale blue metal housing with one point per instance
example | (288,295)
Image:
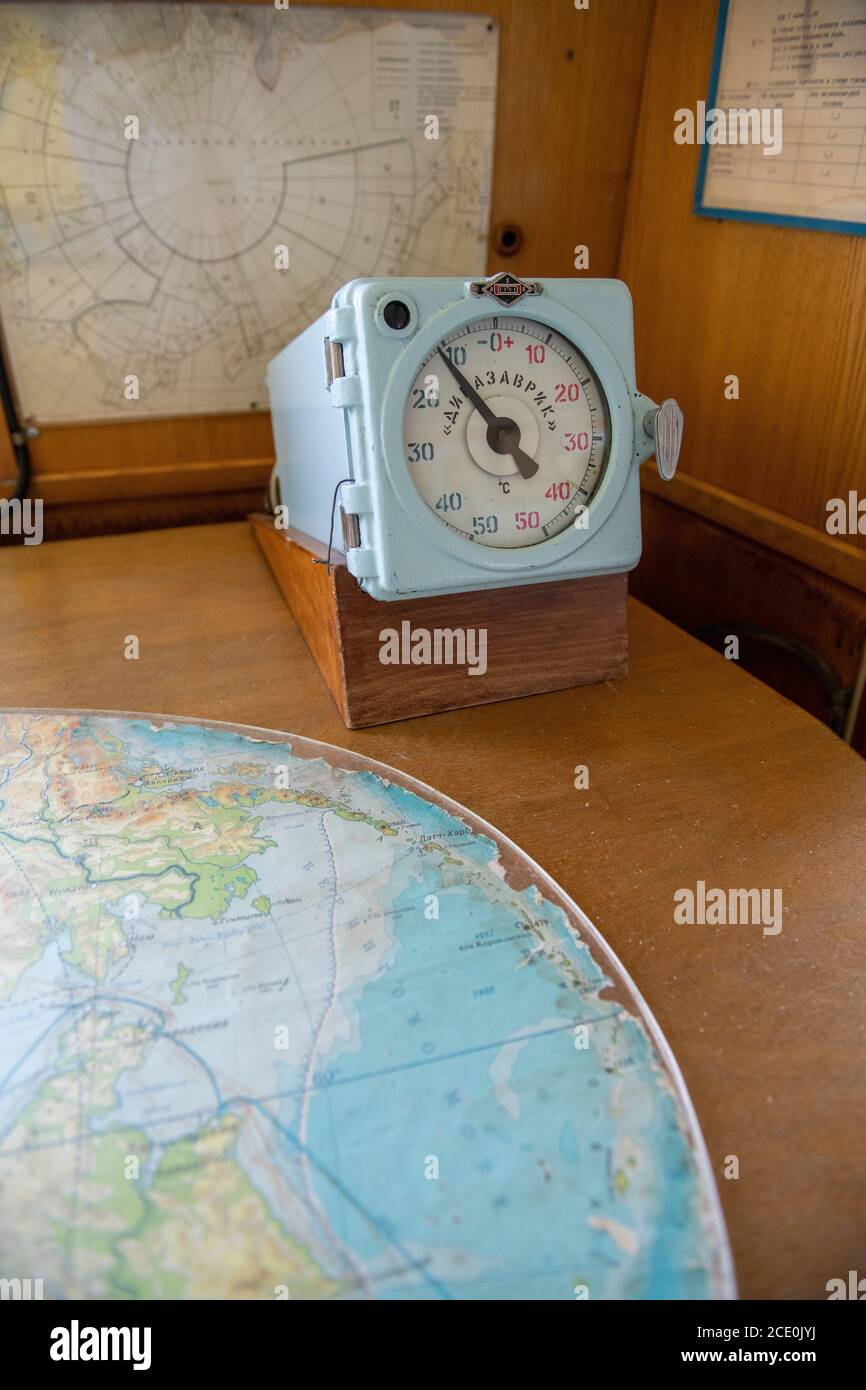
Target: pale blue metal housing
(351,428)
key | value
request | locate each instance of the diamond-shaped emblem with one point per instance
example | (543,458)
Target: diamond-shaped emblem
(507,287)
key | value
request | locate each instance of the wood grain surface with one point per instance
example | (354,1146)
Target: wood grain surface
(702,576)
(697,772)
(779,307)
(536,636)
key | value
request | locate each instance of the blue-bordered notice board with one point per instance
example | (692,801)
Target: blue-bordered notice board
(783,132)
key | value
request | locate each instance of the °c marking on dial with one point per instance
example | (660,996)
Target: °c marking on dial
(473,495)
(503,434)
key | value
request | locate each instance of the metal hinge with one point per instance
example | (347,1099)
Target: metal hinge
(333,361)
(354,499)
(351,527)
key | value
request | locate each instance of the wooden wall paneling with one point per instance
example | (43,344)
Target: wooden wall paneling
(777,306)
(741,534)
(564,138)
(829,555)
(701,575)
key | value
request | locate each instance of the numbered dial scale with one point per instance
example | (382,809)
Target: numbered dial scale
(506,431)
(476,434)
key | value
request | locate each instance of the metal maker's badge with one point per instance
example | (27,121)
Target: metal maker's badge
(506,287)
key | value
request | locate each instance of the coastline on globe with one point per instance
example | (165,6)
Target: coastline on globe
(277,1021)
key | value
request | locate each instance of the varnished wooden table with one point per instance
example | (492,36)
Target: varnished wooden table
(696,772)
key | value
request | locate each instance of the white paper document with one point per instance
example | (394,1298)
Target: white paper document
(802,67)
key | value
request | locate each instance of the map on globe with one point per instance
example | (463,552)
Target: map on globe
(185,186)
(277,1022)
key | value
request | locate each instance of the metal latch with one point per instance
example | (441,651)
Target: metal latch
(664,425)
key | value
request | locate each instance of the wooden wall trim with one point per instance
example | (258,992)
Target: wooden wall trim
(820,551)
(167,480)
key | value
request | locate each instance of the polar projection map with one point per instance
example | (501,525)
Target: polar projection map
(184,187)
(279,1022)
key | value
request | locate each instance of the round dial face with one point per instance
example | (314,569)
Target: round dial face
(506,431)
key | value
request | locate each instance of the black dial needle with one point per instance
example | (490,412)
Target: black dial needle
(503,434)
